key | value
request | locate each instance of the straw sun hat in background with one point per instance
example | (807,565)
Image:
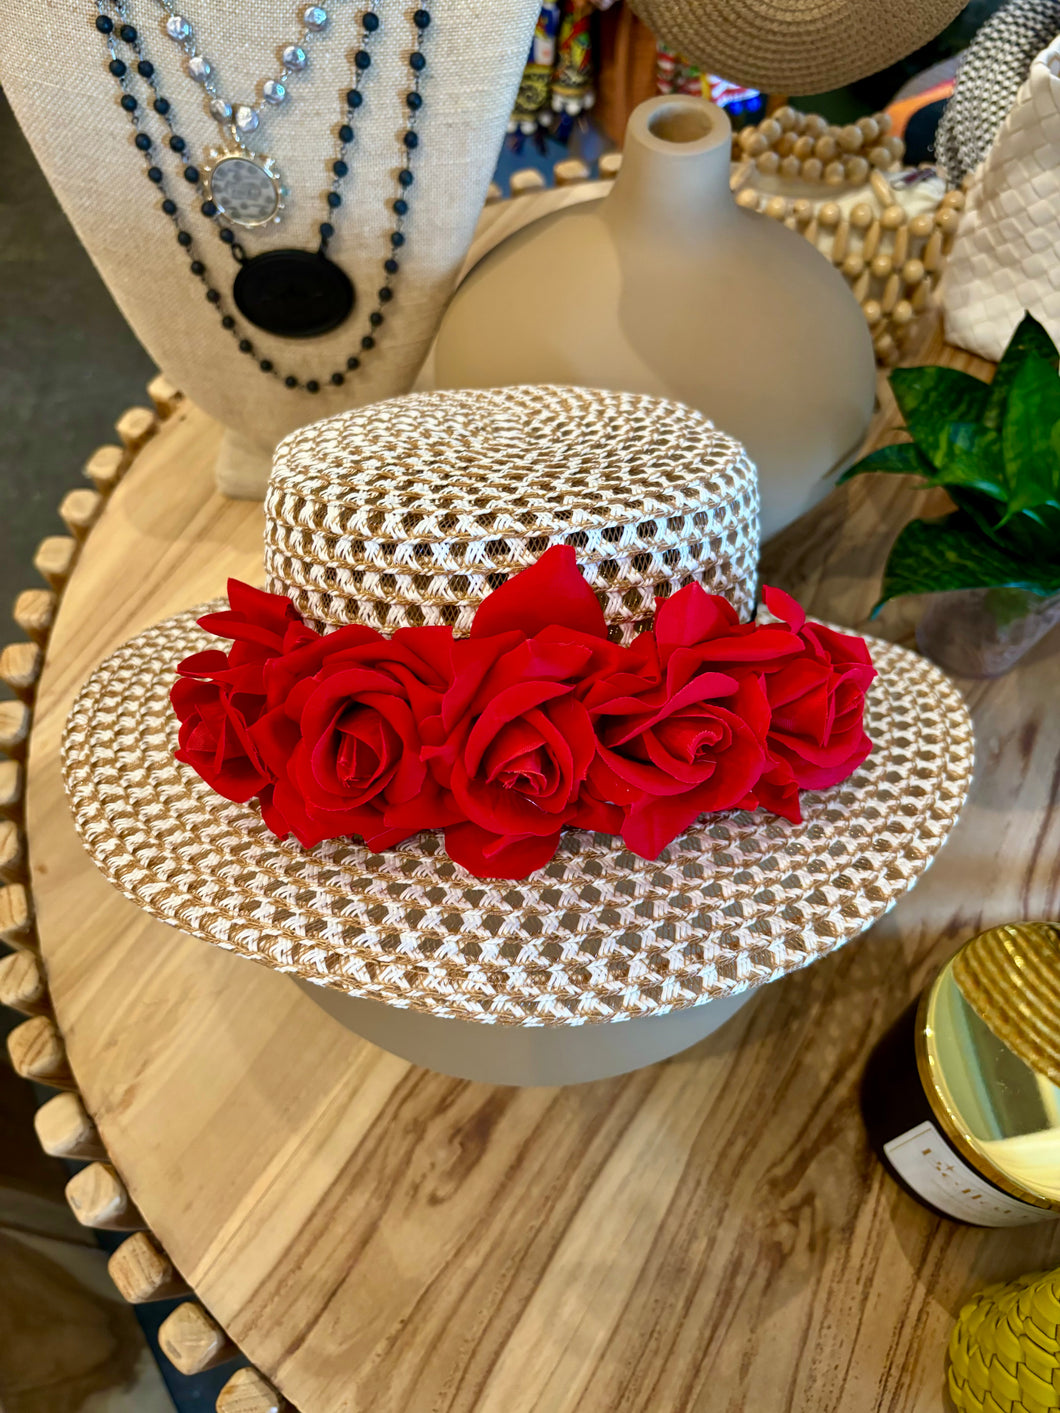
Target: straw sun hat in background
(410,512)
(795,46)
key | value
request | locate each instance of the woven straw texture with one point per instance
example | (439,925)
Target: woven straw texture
(598,934)
(1010,976)
(806,47)
(1005,1350)
(1003,260)
(414,510)
(992,68)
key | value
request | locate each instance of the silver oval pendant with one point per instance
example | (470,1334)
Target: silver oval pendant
(244,187)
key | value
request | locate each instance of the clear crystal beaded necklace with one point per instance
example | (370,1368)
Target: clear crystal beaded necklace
(293,293)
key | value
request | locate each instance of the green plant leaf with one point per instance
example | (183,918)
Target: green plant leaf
(932,396)
(933,556)
(900,458)
(1032,467)
(969,454)
(1029,341)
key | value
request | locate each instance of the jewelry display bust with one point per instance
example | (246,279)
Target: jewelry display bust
(77,85)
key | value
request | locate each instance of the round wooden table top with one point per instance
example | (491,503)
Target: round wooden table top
(711,1233)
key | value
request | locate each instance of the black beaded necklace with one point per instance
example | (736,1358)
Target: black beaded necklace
(292,293)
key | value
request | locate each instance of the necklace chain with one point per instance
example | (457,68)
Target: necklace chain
(127,33)
(244,117)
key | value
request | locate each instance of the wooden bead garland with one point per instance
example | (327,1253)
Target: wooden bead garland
(804,145)
(891,260)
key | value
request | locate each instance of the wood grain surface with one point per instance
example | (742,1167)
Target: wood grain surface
(709,1234)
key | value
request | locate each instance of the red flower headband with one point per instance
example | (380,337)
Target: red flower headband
(534,723)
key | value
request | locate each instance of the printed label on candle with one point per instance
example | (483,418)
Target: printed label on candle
(932,1168)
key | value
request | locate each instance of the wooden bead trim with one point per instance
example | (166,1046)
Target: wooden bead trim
(20,665)
(55,559)
(193,1341)
(14,729)
(165,397)
(11,789)
(12,852)
(16,919)
(38,1053)
(65,1131)
(97,1196)
(23,985)
(247,1392)
(570,171)
(35,614)
(529,179)
(79,511)
(105,468)
(135,427)
(143,1272)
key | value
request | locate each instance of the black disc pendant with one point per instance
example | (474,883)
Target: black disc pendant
(297,294)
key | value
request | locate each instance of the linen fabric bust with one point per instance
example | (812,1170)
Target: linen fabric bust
(411,513)
(477,55)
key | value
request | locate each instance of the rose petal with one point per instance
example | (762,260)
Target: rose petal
(489,855)
(550,592)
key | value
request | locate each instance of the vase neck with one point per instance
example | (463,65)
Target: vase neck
(675,168)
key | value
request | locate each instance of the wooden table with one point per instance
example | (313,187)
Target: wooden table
(711,1233)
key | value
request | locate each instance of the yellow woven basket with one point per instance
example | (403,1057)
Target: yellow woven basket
(1005,1348)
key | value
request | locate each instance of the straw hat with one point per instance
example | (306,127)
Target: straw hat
(1010,976)
(409,512)
(809,46)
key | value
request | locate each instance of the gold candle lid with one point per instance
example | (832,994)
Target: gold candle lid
(1010,976)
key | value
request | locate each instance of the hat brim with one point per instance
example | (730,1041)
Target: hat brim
(598,934)
(811,47)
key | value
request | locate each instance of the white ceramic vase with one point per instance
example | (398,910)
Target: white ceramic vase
(666,287)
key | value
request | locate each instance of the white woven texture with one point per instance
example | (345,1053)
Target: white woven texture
(412,511)
(598,934)
(991,70)
(1004,259)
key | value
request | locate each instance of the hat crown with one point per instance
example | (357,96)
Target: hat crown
(411,511)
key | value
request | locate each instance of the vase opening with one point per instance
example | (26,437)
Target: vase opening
(681,122)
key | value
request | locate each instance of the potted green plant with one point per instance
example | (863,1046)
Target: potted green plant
(993,562)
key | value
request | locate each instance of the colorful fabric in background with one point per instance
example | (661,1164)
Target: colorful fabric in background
(559,73)
(532,103)
(675,74)
(572,78)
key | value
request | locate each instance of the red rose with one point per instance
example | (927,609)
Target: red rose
(261,627)
(512,740)
(675,741)
(214,736)
(219,695)
(817,701)
(342,740)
